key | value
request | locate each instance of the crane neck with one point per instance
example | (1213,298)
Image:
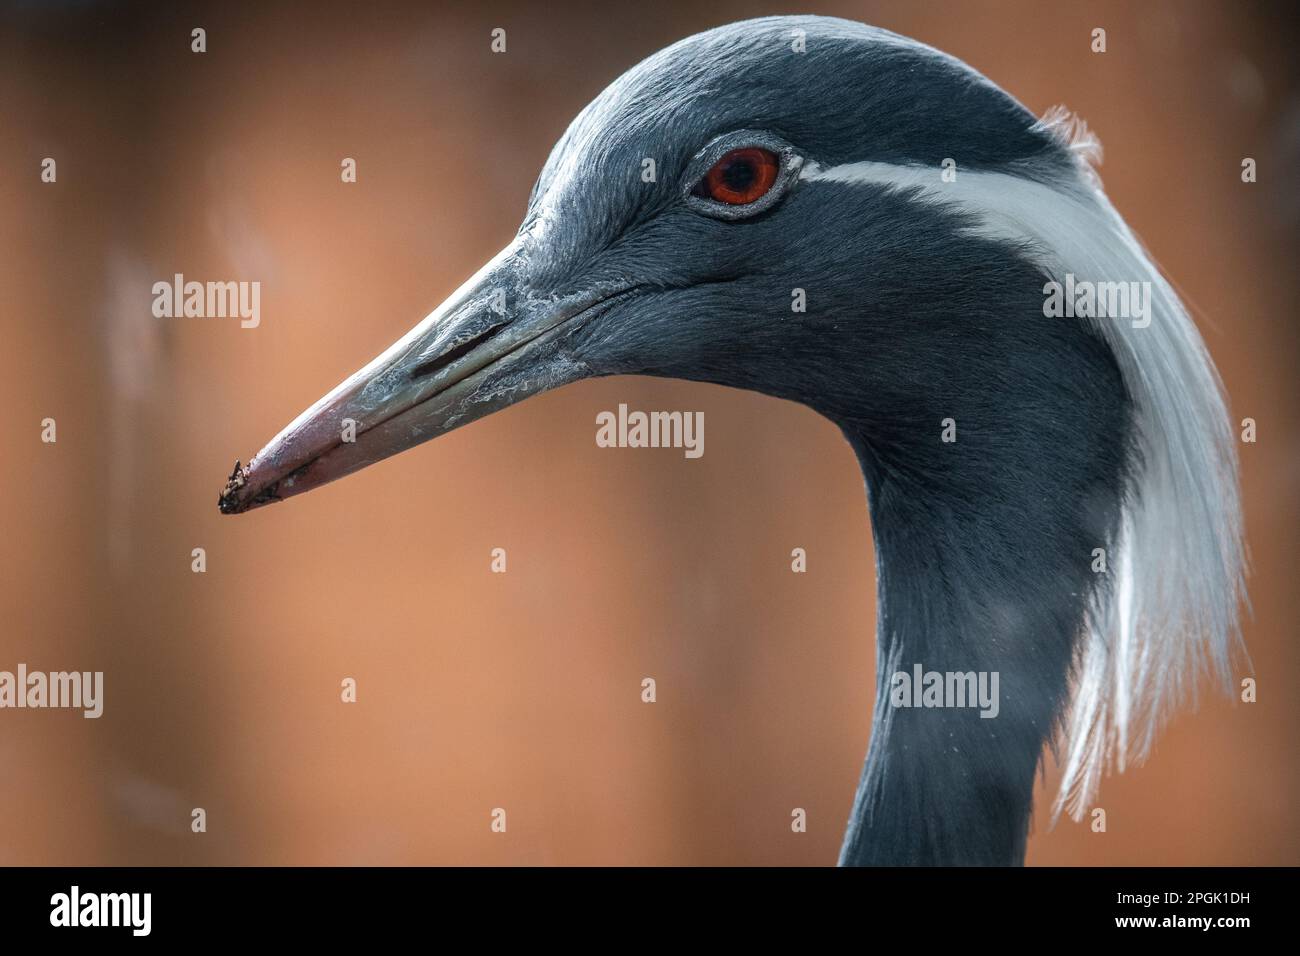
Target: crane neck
(985,556)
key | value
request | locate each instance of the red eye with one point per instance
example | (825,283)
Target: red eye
(741,176)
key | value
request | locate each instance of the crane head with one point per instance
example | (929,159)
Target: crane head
(689,224)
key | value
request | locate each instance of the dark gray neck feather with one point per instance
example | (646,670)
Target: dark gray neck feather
(984,564)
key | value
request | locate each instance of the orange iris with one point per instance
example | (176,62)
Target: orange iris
(742,176)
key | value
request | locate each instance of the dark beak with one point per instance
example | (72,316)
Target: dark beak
(492,344)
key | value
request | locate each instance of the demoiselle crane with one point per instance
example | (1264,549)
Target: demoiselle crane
(1049,461)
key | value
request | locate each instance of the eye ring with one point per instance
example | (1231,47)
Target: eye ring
(740,174)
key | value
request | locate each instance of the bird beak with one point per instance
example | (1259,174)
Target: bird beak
(492,344)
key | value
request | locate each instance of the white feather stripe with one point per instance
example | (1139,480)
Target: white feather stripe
(1178,566)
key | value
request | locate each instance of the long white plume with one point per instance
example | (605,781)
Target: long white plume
(1177,569)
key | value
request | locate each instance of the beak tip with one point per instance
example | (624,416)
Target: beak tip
(228,503)
(239,495)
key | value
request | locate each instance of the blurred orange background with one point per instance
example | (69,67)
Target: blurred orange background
(522,690)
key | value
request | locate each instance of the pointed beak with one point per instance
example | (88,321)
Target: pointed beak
(492,344)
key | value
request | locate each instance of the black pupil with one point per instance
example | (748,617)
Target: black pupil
(739,174)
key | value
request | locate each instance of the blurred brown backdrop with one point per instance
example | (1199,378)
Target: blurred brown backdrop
(522,690)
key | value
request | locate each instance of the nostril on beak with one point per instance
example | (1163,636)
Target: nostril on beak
(438,363)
